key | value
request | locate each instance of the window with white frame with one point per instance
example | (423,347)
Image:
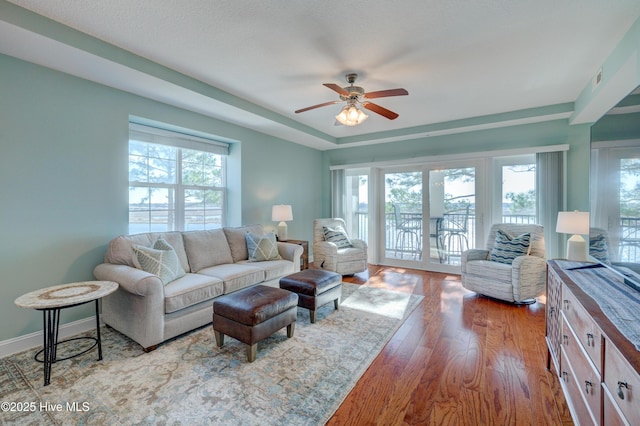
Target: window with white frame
(176,181)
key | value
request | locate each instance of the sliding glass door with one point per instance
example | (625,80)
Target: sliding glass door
(403,224)
(428,230)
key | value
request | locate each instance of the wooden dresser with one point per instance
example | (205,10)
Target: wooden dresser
(599,368)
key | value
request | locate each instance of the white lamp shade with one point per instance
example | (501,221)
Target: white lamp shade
(281,213)
(573,223)
(576,223)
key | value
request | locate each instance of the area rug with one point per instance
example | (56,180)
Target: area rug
(188,380)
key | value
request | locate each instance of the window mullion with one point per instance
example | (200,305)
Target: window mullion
(179,207)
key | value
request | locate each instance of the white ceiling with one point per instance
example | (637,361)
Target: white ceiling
(457,58)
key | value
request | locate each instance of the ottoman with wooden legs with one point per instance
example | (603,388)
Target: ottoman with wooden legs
(314,287)
(253,314)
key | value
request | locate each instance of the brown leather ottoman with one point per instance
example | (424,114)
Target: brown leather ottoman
(253,314)
(314,288)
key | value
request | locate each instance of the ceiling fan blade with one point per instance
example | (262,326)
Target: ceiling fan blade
(336,88)
(380,110)
(316,106)
(386,93)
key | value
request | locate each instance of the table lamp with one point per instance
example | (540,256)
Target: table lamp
(282,213)
(576,223)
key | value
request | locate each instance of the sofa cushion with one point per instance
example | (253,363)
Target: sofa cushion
(237,241)
(120,249)
(273,268)
(190,290)
(236,276)
(494,271)
(206,248)
(160,260)
(262,247)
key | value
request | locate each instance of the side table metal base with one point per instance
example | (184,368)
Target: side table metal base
(51,327)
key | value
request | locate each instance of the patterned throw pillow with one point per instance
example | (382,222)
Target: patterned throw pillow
(262,247)
(338,236)
(598,249)
(507,248)
(160,260)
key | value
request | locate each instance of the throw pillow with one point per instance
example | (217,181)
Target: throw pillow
(598,249)
(337,235)
(507,248)
(262,247)
(160,260)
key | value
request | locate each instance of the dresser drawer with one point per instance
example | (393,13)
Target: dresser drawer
(586,377)
(579,411)
(586,330)
(622,380)
(612,416)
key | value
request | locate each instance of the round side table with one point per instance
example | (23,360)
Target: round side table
(50,301)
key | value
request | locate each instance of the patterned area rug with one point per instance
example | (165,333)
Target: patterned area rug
(188,380)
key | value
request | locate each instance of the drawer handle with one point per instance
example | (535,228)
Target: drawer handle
(566,339)
(590,340)
(565,377)
(587,386)
(620,386)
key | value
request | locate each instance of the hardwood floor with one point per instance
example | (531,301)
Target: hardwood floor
(459,359)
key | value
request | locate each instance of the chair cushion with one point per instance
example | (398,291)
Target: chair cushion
(490,271)
(350,254)
(337,235)
(160,260)
(506,247)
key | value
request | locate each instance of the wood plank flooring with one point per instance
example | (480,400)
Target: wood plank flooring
(459,359)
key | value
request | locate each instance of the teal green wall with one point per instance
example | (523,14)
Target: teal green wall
(64,167)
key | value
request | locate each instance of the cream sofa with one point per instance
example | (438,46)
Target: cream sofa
(216,263)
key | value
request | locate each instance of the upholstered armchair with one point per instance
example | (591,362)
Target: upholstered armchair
(334,251)
(511,268)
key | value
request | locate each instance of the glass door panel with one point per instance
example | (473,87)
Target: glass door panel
(357,204)
(403,237)
(452,202)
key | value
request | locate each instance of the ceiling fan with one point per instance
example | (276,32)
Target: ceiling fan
(350,115)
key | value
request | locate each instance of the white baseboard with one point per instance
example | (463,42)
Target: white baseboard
(34,340)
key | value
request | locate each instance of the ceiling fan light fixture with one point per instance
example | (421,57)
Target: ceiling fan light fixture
(350,115)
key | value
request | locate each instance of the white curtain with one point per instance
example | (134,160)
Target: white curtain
(337,193)
(550,189)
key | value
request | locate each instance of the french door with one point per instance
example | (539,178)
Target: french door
(427,229)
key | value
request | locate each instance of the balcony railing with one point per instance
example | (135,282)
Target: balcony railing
(362,226)
(629,247)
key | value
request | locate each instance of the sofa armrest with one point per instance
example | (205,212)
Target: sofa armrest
(132,280)
(289,251)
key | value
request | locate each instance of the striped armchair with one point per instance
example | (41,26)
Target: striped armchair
(521,281)
(328,256)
